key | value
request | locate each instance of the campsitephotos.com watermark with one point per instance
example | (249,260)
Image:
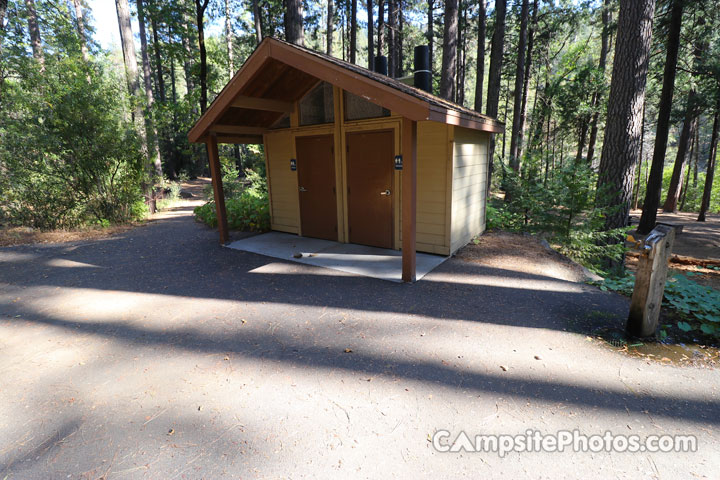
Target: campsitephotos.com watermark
(560,441)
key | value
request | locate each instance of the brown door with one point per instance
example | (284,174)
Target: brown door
(316,181)
(370,187)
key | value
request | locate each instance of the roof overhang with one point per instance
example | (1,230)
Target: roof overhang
(264,62)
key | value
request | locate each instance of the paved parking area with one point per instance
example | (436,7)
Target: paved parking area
(157,353)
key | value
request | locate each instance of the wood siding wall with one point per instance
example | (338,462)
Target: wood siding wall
(452,166)
(433,182)
(469,185)
(282,182)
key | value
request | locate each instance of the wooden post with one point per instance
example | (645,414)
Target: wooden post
(650,281)
(216,173)
(409,198)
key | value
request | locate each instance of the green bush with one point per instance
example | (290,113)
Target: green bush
(247,212)
(561,208)
(68,151)
(247,208)
(697,306)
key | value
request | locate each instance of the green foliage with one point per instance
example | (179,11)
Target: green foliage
(698,306)
(561,208)
(248,208)
(69,152)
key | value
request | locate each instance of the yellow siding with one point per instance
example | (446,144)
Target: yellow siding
(433,177)
(432,181)
(470,163)
(282,182)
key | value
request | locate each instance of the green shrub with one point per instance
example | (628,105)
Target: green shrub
(248,212)
(561,208)
(697,306)
(68,150)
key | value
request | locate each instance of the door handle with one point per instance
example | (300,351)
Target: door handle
(302,189)
(386,192)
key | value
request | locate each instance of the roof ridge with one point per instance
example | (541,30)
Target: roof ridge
(390,81)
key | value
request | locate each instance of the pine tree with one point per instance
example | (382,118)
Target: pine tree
(449,57)
(621,146)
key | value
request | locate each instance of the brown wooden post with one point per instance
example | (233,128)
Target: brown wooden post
(650,281)
(216,173)
(409,198)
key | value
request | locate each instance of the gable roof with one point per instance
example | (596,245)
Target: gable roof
(279,73)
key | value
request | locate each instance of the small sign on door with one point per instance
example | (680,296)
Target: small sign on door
(293,164)
(398,162)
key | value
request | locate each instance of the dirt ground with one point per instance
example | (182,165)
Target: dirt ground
(521,253)
(698,240)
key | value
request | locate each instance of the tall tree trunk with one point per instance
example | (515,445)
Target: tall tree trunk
(257,20)
(353,31)
(462,44)
(496,59)
(392,37)
(712,160)
(604,48)
(654,186)
(494,73)
(430,34)
(480,71)
(399,40)
(329,28)
(640,161)
(696,155)
(621,145)
(3,9)
(381,27)
(200,6)
(229,40)
(133,82)
(370,35)
(152,139)
(581,142)
(449,57)
(188,57)
(294,22)
(80,25)
(685,182)
(158,62)
(686,135)
(343,27)
(519,80)
(34,28)
(526,79)
(506,114)
(173,76)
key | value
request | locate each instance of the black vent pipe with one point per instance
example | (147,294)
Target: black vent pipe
(422,76)
(381,64)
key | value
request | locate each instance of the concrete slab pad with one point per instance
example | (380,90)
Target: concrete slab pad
(381,263)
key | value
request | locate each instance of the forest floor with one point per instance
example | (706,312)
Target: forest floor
(157,353)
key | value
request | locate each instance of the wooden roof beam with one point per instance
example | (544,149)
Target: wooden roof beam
(371,90)
(266,104)
(237,130)
(462,120)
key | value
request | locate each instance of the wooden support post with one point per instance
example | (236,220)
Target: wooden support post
(409,198)
(650,281)
(216,173)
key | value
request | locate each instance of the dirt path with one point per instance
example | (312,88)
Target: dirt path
(698,239)
(157,353)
